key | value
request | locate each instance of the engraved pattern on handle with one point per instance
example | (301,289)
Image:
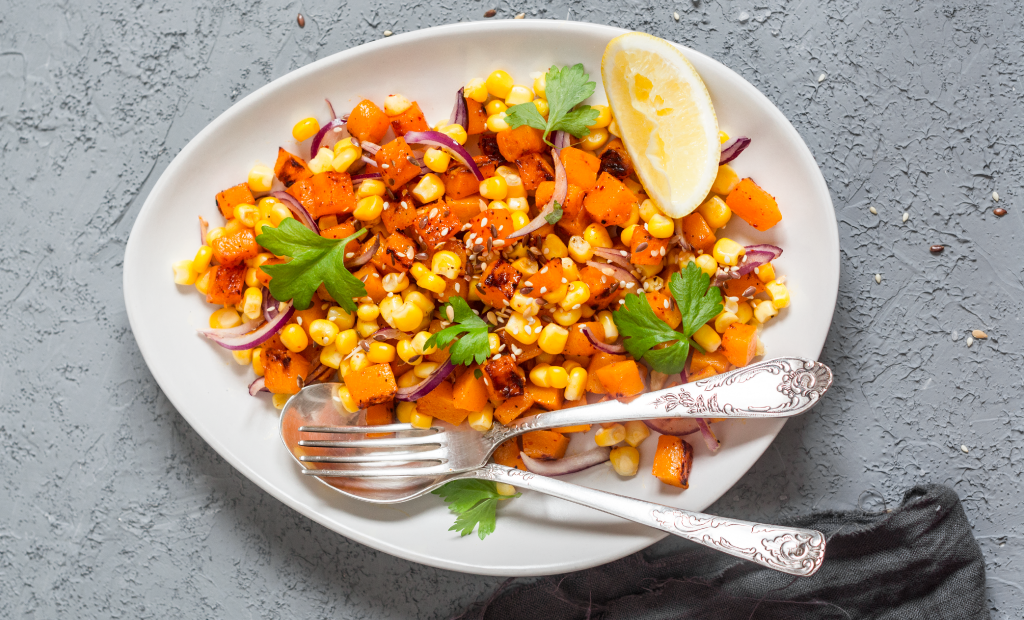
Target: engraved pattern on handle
(791,550)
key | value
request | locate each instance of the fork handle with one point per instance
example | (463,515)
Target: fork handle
(790,550)
(775,388)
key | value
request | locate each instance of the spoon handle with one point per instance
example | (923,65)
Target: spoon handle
(790,550)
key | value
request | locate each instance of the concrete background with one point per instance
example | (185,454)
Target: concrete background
(111,506)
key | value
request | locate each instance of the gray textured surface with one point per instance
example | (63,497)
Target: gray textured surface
(110,505)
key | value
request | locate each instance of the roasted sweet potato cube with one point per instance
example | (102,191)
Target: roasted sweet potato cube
(739,344)
(746,285)
(513,408)
(368,122)
(459,183)
(469,392)
(578,344)
(284,372)
(229,250)
(440,404)
(395,254)
(621,379)
(673,460)
(290,168)
(371,279)
(646,249)
(703,373)
(372,385)
(522,352)
(580,167)
(610,202)
(379,415)
(599,361)
(754,205)
(507,379)
(345,229)
(548,278)
(232,197)
(488,225)
(466,208)
(544,445)
(665,308)
(399,214)
(488,165)
(507,454)
(489,147)
(534,169)
(604,289)
(477,117)
(498,284)
(326,193)
(410,120)
(226,285)
(615,160)
(514,143)
(697,232)
(575,218)
(436,223)
(716,360)
(397,164)
(548,397)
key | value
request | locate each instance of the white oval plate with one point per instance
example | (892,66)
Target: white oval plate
(536,535)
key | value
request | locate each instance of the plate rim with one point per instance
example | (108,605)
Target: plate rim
(134,309)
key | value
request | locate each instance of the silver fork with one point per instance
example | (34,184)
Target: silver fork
(774,388)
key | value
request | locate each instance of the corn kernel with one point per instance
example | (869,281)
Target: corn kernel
(344,159)
(225,318)
(202,260)
(650,271)
(396,104)
(627,234)
(597,236)
(203,281)
(744,312)
(370,187)
(765,310)
(381,353)
(232,226)
(723,137)
(707,264)
(433,283)
(765,272)
(252,303)
(518,94)
(260,225)
(494,188)
(524,304)
(570,271)
(419,343)
(369,208)
(552,339)
(246,214)
(476,89)
(331,357)
(539,375)
(344,397)
(542,107)
(553,247)
(557,377)
(576,388)
(499,83)
(294,338)
(577,295)
(724,320)
(497,122)
(446,263)
(214,234)
(341,145)
(728,252)
(265,204)
(418,299)
(305,129)
(715,212)
(519,219)
(425,369)
(625,460)
(242,357)
(483,419)
(525,265)
(323,332)
(408,379)
(611,330)
(636,433)
(358,361)
(261,178)
(436,159)
(365,329)
(513,181)
(346,340)
(725,181)
(557,295)
(404,411)
(580,249)
(280,400)
(420,420)
(367,312)
(526,331)
(778,293)
(661,227)
(257,362)
(613,128)
(395,282)
(517,204)
(279,213)
(183,272)
(540,83)
(604,116)
(707,338)
(648,209)
(341,317)
(407,352)
(495,107)
(611,435)
(565,318)
(594,140)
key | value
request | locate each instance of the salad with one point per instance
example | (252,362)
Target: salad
(504,261)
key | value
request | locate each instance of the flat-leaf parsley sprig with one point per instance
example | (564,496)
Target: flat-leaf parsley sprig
(473,345)
(475,502)
(565,88)
(314,260)
(642,329)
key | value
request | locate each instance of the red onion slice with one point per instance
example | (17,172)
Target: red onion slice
(561,189)
(204,226)
(370,148)
(439,140)
(627,281)
(382,334)
(710,440)
(757,255)
(568,464)
(426,386)
(460,113)
(678,427)
(366,176)
(619,257)
(331,108)
(257,386)
(560,139)
(336,124)
(368,160)
(255,338)
(300,211)
(270,305)
(365,256)
(599,344)
(733,150)
(244,328)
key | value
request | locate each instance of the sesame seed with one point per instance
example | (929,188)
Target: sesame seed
(483,222)
(497,356)
(298,320)
(873,210)
(350,254)
(385,167)
(878,278)
(970,341)
(404,206)
(521,16)
(543,290)
(458,287)
(444,231)
(433,213)
(666,304)
(388,33)
(964,449)
(675,15)
(906,216)
(995,196)
(821,78)
(386,205)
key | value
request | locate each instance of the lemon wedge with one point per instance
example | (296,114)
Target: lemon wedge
(665,117)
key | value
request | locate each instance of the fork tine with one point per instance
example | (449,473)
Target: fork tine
(428,455)
(396,442)
(383,428)
(403,472)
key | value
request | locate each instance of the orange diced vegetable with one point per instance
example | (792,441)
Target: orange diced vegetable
(513,408)
(578,344)
(736,287)
(672,461)
(440,403)
(604,289)
(397,164)
(580,167)
(368,122)
(372,281)
(290,168)
(646,249)
(621,379)
(697,232)
(435,223)
(523,352)
(754,205)
(507,454)
(459,183)
(545,445)
(372,385)
(395,254)
(232,197)
(507,379)
(547,279)
(498,284)
(534,169)
(488,165)
(514,143)
(379,415)
(477,117)
(485,224)
(284,371)
(399,214)
(610,202)
(226,285)
(229,250)
(575,218)
(598,362)
(664,308)
(615,160)
(410,120)
(548,397)
(578,428)
(739,344)
(469,392)
(341,231)
(703,373)
(715,360)
(466,208)
(326,193)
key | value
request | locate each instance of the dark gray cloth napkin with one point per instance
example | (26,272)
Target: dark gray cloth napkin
(919,561)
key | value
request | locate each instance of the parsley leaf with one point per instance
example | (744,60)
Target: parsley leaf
(642,329)
(565,88)
(314,260)
(554,216)
(475,502)
(474,345)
